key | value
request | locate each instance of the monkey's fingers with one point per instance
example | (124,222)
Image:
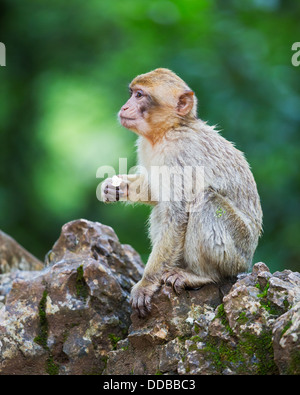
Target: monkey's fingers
(113,194)
(167,278)
(147,303)
(141,303)
(175,280)
(141,307)
(115,191)
(178,285)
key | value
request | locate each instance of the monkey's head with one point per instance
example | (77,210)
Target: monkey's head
(159,101)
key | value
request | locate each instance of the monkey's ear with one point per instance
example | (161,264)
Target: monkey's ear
(185,103)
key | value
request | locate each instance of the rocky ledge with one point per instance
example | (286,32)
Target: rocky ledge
(73,316)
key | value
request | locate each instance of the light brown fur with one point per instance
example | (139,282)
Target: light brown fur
(212,236)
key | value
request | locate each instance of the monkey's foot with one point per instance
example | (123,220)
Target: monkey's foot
(174,278)
(141,295)
(180,279)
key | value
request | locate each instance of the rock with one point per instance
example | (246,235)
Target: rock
(7,279)
(156,343)
(14,257)
(172,315)
(286,335)
(256,330)
(65,318)
(170,356)
(74,317)
(253,329)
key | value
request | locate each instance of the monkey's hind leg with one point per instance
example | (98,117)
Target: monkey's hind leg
(181,279)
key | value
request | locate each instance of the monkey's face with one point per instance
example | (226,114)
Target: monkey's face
(134,115)
(159,101)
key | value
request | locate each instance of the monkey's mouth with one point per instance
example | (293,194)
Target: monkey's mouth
(127,122)
(126,119)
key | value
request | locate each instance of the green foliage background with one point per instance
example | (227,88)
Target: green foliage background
(68,67)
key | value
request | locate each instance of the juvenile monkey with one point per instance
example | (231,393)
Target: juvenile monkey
(197,238)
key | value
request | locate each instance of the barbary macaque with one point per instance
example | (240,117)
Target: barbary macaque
(206,217)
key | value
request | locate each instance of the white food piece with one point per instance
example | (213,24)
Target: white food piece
(116,181)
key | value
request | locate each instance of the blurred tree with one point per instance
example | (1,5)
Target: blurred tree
(68,66)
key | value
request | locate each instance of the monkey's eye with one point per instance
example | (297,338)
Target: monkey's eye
(139,94)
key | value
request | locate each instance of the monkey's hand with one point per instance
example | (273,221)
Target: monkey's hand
(114,189)
(141,295)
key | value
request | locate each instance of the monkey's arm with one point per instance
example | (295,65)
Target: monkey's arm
(167,251)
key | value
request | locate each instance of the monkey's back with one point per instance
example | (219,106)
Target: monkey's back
(221,236)
(226,169)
